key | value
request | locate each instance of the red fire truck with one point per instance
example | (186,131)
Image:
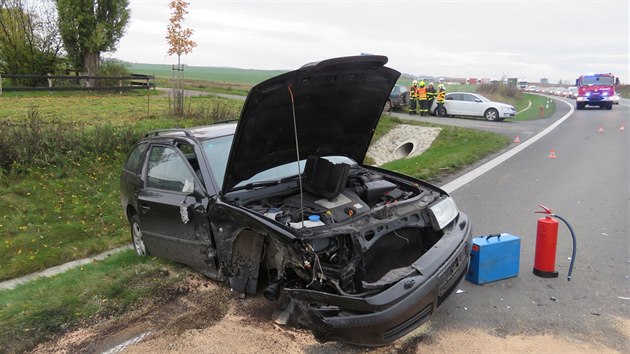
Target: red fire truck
(596,90)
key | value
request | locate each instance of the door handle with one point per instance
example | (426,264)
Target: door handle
(145,208)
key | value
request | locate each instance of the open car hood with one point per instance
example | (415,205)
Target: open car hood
(337,104)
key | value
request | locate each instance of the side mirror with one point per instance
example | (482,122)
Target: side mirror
(577,82)
(477,100)
(616,81)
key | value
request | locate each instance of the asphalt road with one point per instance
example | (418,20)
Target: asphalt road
(588,184)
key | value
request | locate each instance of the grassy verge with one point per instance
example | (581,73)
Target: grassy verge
(52,216)
(549,108)
(454,149)
(36,312)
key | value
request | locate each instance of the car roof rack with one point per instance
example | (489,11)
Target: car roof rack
(186,132)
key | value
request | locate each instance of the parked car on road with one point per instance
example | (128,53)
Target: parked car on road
(573,92)
(474,105)
(398,98)
(282,202)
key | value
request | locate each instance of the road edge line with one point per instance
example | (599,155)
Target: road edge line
(477,172)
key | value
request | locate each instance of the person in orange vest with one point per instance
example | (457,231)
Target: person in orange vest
(441,97)
(423,99)
(413,97)
(431,94)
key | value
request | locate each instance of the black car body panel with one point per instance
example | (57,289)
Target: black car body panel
(331,99)
(354,253)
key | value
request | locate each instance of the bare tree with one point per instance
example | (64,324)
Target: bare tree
(180,43)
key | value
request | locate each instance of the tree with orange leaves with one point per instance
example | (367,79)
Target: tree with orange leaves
(180,43)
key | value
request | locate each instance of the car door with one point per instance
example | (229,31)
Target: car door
(173,208)
(453,102)
(472,105)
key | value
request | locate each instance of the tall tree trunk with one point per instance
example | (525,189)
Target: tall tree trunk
(91,62)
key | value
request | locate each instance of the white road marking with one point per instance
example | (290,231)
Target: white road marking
(470,176)
(122,346)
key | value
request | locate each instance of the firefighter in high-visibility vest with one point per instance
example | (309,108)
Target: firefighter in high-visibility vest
(423,99)
(431,94)
(441,97)
(413,97)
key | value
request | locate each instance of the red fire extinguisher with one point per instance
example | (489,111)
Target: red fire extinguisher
(546,242)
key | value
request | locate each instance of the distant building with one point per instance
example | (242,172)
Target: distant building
(544,81)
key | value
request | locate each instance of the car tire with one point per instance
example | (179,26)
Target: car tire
(136,236)
(491,115)
(579,105)
(609,106)
(388,106)
(437,114)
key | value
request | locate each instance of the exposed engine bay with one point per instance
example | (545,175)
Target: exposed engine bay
(361,230)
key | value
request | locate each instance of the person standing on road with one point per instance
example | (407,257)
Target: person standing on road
(413,97)
(441,97)
(431,94)
(422,99)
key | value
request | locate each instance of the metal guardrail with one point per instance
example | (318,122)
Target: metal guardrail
(131,82)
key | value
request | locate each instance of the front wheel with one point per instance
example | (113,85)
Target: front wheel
(491,115)
(579,105)
(609,106)
(136,237)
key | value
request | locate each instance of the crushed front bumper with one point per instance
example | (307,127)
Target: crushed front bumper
(388,315)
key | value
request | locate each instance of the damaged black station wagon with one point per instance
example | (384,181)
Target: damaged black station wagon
(280,203)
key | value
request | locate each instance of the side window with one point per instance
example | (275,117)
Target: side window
(134,159)
(455,97)
(167,170)
(469,98)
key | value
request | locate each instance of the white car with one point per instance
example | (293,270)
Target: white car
(615,98)
(474,105)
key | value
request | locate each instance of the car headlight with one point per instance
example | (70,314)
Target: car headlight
(605,94)
(443,212)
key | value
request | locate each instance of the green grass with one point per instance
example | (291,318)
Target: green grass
(99,108)
(52,216)
(534,111)
(37,311)
(206,73)
(623,90)
(452,150)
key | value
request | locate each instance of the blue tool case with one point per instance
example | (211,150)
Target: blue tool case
(494,257)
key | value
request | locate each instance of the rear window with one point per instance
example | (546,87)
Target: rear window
(134,159)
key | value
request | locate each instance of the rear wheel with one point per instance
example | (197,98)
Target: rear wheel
(491,114)
(136,236)
(388,106)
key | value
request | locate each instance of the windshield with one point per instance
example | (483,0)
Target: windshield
(217,151)
(597,80)
(290,169)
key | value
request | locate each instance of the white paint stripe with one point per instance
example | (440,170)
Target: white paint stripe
(122,346)
(470,176)
(11,284)
(526,108)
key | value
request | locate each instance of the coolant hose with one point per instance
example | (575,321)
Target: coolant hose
(574,244)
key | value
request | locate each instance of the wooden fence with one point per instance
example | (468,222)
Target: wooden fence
(75,83)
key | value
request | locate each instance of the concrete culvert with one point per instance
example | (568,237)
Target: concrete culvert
(403,150)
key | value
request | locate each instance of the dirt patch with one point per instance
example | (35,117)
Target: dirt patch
(198,303)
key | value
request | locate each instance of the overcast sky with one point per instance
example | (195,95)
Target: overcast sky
(557,39)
